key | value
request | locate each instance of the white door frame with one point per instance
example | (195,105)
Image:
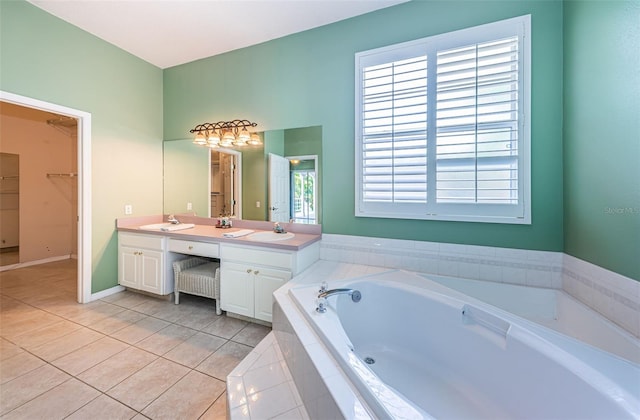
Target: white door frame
(315,168)
(237,180)
(84,182)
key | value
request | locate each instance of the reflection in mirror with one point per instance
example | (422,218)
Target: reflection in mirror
(225,183)
(189,177)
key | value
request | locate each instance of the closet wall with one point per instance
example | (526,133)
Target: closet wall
(48,204)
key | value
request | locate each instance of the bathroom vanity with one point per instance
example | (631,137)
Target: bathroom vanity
(250,269)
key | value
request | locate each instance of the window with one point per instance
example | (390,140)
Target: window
(442,126)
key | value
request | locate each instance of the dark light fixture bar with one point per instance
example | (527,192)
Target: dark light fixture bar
(226,134)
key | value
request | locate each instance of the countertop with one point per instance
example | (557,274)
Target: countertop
(205,231)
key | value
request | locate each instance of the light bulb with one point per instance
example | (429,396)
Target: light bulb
(200,139)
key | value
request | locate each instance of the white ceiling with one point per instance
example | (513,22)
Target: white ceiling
(171,32)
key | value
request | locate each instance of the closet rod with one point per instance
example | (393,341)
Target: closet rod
(71,175)
(9,177)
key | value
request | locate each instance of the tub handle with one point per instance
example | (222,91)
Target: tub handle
(474,315)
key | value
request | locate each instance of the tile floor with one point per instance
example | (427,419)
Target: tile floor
(125,356)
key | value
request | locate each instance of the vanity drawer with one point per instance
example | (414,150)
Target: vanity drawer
(136,240)
(203,249)
(251,255)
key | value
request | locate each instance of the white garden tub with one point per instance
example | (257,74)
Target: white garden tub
(414,352)
(548,307)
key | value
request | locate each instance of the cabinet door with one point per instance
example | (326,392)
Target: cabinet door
(236,288)
(266,281)
(128,267)
(151,271)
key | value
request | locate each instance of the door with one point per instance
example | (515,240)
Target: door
(236,288)
(128,266)
(151,271)
(267,281)
(279,190)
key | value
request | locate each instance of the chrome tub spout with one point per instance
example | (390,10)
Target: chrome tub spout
(355,294)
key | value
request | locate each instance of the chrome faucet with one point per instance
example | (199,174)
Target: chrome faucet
(172,219)
(355,294)
(321,302)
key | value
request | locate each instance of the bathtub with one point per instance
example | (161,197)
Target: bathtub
(415,352)
(548,307)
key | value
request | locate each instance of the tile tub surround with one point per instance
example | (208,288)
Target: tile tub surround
(614,296)
(261,386)
(318,380)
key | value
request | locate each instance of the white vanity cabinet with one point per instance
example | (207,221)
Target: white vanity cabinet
(144,264)
(249,275)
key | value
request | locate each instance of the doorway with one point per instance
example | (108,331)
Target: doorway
(225,185)
(81,178)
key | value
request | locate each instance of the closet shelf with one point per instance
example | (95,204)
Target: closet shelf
(70,175)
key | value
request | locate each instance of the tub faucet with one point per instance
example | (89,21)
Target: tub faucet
(355,294)
(172,219)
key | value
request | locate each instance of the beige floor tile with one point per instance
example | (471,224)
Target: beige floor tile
(18,365)
(8,349)
(56,403)
(89,355)
(117,322)
(147,384)
(152,306)
(129,299)
(140,330)
(26,387)
(251,334)
(166,339)
(25,322)
(103,408)
(66,344)
(117,368)
(187,399)
(197,317)
(46,334)
(97,312)
(217,411)
(225,327)
(224,360)
(195,349)
(169,312)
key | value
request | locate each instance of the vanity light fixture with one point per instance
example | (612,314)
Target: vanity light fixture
(226,134)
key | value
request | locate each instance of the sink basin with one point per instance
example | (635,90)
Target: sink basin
(270,236)
(167,227)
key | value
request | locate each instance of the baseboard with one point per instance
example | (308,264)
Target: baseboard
(107,292)
(36,262)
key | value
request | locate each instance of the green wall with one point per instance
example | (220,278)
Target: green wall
(45,58)
(602,133)
(307,79)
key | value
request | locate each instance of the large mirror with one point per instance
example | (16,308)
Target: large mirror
(238,183)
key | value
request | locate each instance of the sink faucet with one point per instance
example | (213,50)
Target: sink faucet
(172,219)
(277,228)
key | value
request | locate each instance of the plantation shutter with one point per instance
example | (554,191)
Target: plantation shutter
(441,132)
(394,131)
(477,123)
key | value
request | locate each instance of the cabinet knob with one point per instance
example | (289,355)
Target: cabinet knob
(190,247)
(256,272)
